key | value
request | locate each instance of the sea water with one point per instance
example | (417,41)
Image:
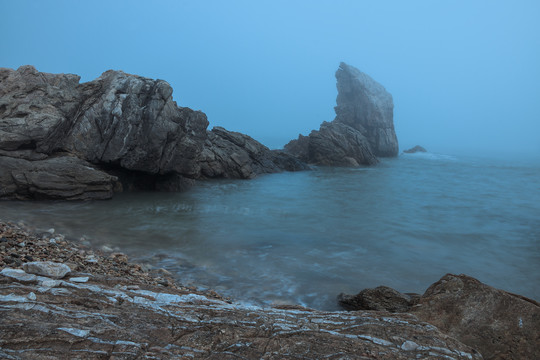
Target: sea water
(304,237)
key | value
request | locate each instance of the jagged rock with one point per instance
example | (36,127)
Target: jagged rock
(47,268)
(498,324)
(127,126)
(53,178)
(362,130)
(231,154)
(415,149)
(381,298)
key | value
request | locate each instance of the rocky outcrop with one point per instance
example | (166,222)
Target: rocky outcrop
(498,324)
(362,130)
(125,125)
(109,308)
(415,149)
(234,155)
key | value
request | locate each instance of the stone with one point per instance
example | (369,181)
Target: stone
(31,296)
(500,325)
(362,130)
(415,149)
(47,268)
(18,274)
(79,279)
(381,298)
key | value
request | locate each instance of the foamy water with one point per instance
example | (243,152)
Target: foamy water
(305,237)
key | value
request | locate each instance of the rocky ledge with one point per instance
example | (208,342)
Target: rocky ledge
(61,139)
(105,307)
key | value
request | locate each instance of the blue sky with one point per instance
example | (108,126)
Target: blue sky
(465,75)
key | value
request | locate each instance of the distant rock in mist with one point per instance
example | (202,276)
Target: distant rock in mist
(60,139)
(415,149)
(362,130)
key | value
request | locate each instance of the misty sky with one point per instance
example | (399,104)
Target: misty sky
(465,75)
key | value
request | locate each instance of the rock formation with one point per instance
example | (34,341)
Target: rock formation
(119,127)
(415,149)
(362,130)
(498,324)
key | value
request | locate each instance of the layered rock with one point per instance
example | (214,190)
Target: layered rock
(362,130)
(125,125)
(498,324)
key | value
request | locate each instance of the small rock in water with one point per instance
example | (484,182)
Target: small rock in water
(80,279)
(50,231)
(31,296)
(47,268)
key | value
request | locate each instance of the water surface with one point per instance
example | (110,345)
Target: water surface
(305,237)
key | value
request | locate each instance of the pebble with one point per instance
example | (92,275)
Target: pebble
(22,244)
(80,279)
(52,241)
(31,296)
(132,287)
(106,248)
(409,345)
(50,231)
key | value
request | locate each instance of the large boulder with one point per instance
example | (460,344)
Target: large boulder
(125,125)
(498,324)
(362,130)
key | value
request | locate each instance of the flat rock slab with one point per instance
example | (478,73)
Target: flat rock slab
(96,320)
(47,268)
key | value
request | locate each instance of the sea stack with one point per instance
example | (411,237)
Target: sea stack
(362,130)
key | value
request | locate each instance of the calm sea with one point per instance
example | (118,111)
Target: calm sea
(305,237)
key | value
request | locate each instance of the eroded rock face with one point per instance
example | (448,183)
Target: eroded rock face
(125,125)
(362,130)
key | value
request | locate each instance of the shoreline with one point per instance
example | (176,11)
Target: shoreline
(109,307)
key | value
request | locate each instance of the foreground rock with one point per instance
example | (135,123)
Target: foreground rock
(498,324)
(415,149)
(133,316)
(127,127)
(362,130)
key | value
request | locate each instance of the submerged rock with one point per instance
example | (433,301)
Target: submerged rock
(362,130)
(415,149)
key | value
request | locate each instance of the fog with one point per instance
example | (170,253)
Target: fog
(465,76)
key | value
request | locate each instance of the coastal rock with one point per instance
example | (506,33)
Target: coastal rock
(362,130)
(47,268)
(62,177)
(498,324)
(381,298)
(231,154)
(415,149)
(128,127)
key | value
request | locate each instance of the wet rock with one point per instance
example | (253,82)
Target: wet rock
(415,149)
(47,268)
(381,298)
(499,324)
(231,154)
(362,130)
